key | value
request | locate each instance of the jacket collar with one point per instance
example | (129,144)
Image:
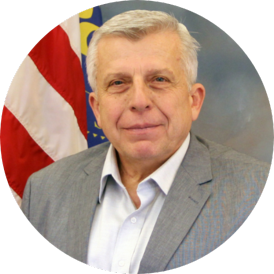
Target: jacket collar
(182,206)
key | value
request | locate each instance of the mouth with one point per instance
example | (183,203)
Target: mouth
(142,130)
(141,127)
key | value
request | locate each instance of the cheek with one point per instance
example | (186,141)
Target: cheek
(110,113)
(178,112)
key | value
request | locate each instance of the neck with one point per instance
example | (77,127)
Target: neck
(132,172)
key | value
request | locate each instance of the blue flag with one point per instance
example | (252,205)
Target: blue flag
(90,20)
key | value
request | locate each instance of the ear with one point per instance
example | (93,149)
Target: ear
(94,104)
(197,94)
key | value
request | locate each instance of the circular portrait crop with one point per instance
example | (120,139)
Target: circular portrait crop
(136,137)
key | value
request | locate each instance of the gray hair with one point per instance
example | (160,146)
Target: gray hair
(136,24)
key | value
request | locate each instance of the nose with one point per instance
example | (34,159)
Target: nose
(140,97)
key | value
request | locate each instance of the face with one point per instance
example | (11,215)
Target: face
(143,104)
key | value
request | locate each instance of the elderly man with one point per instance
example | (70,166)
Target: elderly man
(156,197)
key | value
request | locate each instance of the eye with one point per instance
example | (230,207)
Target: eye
(116,83)
(160,79)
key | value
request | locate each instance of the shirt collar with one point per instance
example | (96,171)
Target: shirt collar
(163,176)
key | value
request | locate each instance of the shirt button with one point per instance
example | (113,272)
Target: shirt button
(121,263)
(133,220)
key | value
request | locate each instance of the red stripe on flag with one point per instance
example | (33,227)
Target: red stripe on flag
(61,67)
(20,153)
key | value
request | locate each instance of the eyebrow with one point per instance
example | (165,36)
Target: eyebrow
(160,71)
(149,73)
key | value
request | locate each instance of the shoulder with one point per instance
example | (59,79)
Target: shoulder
(66,169)
(221,155)
(238,181)
(52,186)
(76,161)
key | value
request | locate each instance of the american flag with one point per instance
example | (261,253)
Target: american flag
(45,114)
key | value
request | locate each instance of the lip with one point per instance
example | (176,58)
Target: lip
(142,130)
(141,126)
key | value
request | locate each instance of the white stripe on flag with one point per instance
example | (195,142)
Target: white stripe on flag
(16,197)
(47,117)
(72,28)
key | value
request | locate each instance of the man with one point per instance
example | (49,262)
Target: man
(157,197)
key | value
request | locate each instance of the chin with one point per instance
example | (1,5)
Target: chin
(144,152)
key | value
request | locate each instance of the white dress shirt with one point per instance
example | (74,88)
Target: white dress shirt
(120,232)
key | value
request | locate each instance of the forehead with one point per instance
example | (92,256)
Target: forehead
(164,45)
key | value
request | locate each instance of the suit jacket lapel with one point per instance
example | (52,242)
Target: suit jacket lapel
(182,206)
(84,198)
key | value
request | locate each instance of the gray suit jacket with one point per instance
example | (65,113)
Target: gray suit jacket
(214,191)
